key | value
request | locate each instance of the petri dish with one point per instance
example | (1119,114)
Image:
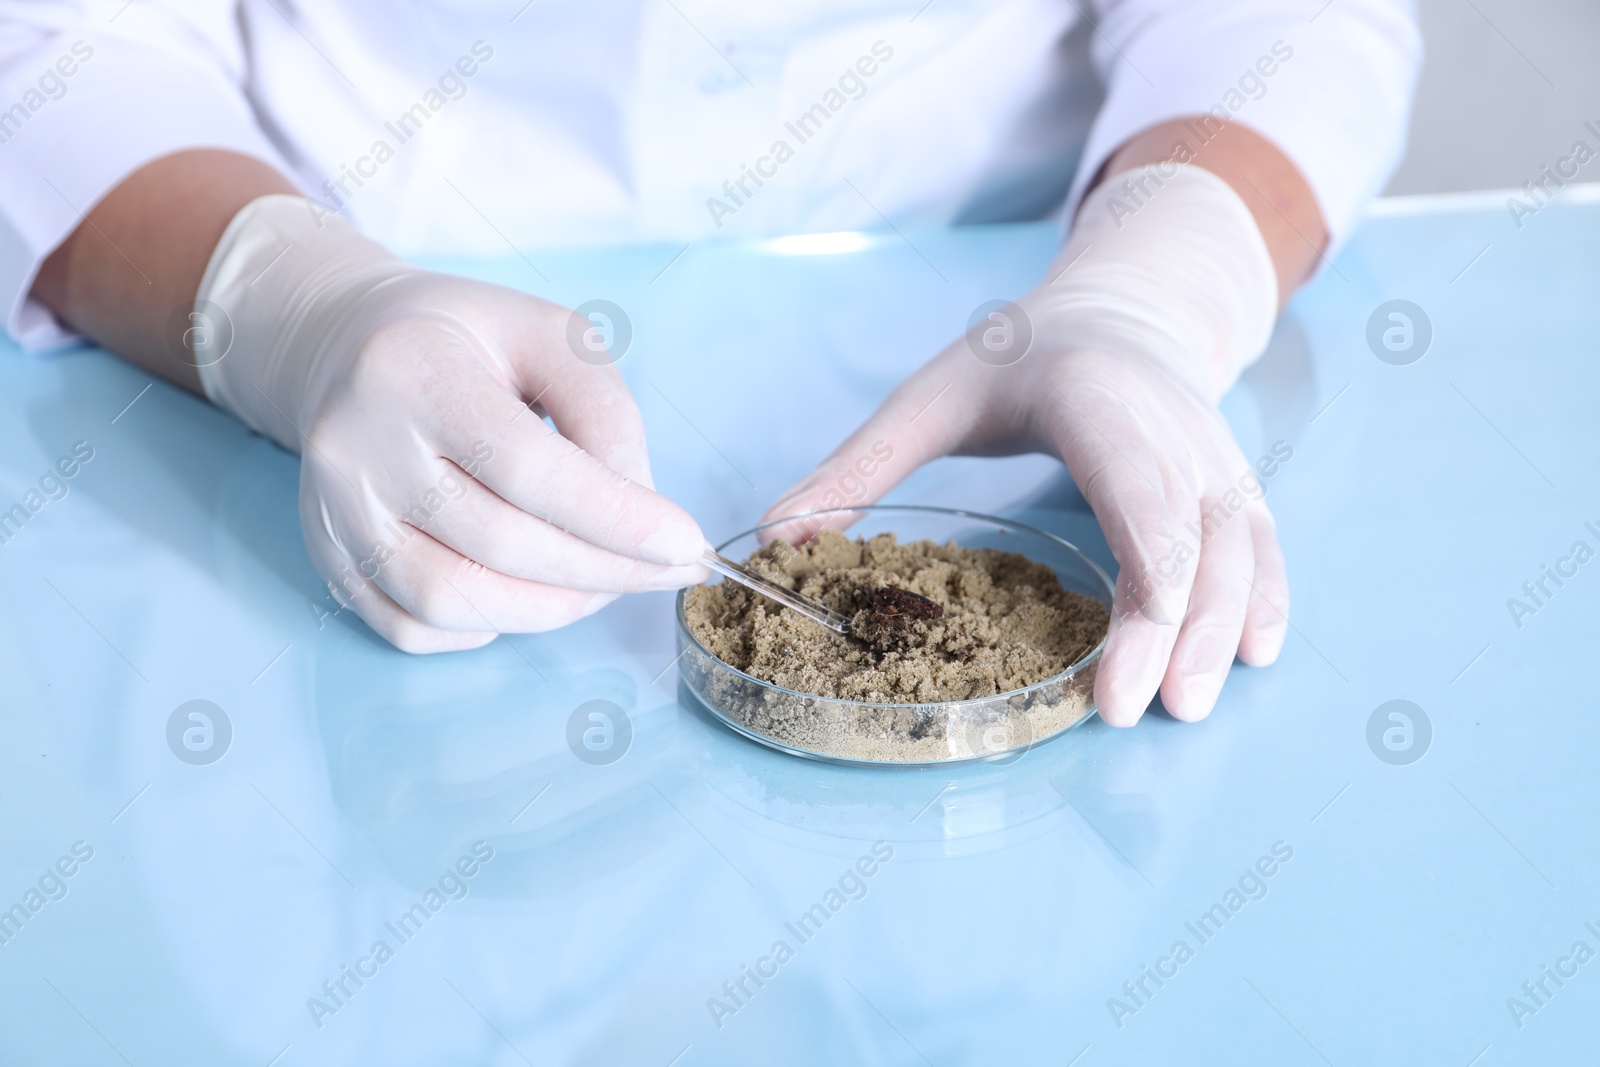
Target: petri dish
(994,728)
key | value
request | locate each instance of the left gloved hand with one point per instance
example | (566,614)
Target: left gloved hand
(434,499)
(1144,323)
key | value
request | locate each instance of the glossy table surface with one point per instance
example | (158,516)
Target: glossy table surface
(1343,892)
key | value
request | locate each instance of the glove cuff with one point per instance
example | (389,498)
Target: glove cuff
(284,283)
(1168,258)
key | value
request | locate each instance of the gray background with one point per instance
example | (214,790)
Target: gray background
(1506,87)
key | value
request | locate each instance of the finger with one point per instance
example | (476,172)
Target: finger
(923,419)
(391,622)
(593,408)
(529,341)
(444,589)
(547,475)
(481,526)
(1267,619)
(1140,501)
(1136,655)
(1210,632)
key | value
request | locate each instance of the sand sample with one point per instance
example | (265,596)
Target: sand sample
(930,623)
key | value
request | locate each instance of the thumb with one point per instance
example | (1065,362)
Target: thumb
(926,417)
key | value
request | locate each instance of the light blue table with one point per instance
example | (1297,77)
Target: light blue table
(1018,901)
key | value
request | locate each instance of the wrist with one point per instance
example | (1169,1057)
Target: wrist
(1167,261)
(297,290)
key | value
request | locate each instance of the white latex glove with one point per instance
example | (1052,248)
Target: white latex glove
(434,498)
(1143,323)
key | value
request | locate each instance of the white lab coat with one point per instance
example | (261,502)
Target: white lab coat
(552,122)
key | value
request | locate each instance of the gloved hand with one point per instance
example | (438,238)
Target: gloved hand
(1143,323)
(434,498)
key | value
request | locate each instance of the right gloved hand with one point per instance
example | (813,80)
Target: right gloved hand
(1143,325)
(433,497)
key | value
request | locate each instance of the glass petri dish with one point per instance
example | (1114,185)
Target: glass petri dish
(992,728)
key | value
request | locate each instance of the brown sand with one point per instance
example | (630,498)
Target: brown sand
(1006,622)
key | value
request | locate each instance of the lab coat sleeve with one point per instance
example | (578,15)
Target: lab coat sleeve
(1335,102)
(89,93)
